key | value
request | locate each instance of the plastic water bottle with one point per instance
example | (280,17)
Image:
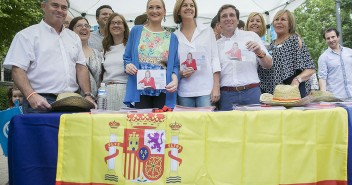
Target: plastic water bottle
(102,97)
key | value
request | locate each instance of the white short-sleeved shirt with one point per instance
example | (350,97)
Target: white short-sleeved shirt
(239,68)
(203,43)
(48,58)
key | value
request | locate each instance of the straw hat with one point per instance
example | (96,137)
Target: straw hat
(324,96)
(71,102)
(285,95)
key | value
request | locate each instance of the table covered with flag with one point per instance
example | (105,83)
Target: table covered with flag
(255,147)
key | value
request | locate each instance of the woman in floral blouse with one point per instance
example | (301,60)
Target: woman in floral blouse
(150,47)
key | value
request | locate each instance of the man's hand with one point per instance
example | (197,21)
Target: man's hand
(39,102)
(89,98)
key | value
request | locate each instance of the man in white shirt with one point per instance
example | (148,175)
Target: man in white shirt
(47,59)
(240,53)
(335,66)
(96,38)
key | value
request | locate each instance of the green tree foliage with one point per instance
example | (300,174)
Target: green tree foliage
(16,15)
(315,16)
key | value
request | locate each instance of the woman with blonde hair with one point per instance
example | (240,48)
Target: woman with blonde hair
(113,75)
(292,63)
(150,47)
(256,23)
(199,87)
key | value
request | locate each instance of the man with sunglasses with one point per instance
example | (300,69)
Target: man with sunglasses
(47,59)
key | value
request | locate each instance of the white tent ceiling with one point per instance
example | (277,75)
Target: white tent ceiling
(207,9)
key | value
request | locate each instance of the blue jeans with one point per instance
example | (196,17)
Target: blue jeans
(198,101)
(245,97)
(28,109)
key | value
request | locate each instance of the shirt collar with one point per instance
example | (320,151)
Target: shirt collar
(50,28)
(235,33)
(332,51)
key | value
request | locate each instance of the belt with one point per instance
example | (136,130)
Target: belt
(112,83)
(239,88)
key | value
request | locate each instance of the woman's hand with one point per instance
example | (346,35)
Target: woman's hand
(187,72)
(172,86)
(215,94)
(131,69)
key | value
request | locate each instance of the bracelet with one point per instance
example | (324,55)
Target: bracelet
(261,54)
(30,95)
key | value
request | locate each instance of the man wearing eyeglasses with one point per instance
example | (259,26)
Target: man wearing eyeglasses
(47,59)
(96,37)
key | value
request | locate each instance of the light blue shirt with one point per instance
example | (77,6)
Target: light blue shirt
(336,69)
(96,40)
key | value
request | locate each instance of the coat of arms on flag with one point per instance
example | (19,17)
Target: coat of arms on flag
(143,149)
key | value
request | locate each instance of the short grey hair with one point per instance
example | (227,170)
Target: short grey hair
(68,2)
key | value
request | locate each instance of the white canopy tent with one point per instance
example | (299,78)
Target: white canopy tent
(207,9)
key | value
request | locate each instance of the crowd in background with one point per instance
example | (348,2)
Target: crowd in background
(224,65)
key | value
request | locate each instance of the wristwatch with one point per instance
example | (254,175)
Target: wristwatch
(298,79)
(261,54)
(89,94)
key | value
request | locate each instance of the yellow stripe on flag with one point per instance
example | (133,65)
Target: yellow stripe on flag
(276,147)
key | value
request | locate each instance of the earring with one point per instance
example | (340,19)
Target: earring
(164,18)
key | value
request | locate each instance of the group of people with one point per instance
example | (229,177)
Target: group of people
(233,66)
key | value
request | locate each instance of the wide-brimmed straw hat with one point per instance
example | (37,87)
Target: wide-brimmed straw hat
(71,102)
(285,95)
(289,96)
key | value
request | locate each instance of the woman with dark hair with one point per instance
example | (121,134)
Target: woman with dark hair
(151,47)
(113,75)
(81,27)
(292,63)
(199,86)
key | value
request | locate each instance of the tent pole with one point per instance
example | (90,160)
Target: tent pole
(338,20)
(268,33)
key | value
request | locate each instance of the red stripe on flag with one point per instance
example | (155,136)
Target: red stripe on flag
(124,169)
(129,166)
(327,182)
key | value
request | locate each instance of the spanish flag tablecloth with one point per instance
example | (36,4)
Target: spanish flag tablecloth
(288,147)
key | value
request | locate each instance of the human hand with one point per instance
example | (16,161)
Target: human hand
(172,86)
(254,47)
(89,98)
(215,94)
(187,72)
(38,102)
(131,69)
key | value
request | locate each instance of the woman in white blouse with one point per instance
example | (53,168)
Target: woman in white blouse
(197,88)
(114,42)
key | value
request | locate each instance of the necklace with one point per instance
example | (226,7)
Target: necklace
(279,42)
